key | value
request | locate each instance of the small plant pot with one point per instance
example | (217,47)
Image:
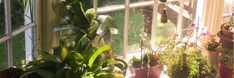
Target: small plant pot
(141,72)
(226,41)
(155,71)
(224,71)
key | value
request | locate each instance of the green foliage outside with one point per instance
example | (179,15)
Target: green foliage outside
(18,41)
(135,29)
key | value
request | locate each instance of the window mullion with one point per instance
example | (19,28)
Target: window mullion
(180,19)
(95,5)
(154,24)
(7,8)
(126,23)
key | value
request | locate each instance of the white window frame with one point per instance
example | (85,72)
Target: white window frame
(28,29)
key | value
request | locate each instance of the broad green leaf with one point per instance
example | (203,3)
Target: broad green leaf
(45,73)
(96,53)
(26,74)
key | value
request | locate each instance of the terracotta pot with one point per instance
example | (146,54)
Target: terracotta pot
(224,71)
(155,71)
(227,33)
(141,72)
(226,41)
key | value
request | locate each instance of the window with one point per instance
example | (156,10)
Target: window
(135,16)
(16,31)
(228,9)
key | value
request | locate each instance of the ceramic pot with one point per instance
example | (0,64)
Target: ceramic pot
(224,71)
(155,71)
(226,41)
(227,33)
(141,72)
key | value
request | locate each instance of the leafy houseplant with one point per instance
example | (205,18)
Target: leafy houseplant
(226,67)
(81,52)
(183,60)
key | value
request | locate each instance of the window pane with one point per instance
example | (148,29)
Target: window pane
(133,1)
(3,58)
(2,27)
(102,3)
(18,13)
(227,10)
(118,17)
(138,19)
(166,22)
(18,43)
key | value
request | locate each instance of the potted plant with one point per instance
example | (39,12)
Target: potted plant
(147,66)
(227,29)
(81,53)
(139,67)
(226,63)
(182,59)
(212,48)
(226,34)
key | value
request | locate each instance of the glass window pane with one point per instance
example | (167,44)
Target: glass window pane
(133,1)
(118,17)
(18,44)
(88,4)
(166,23)
(227,10)
(139,21)
(102,3)
(18,13)
(3,58)
(2,27)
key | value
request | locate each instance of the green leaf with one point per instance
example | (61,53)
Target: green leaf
(26,74)
(88,75)
(77,56)
(90,14)
(45,73)
(96,53)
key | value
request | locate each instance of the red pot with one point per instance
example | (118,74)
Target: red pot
(141,72)
(227,33)
(224,71)
(155,71)
(226,41)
